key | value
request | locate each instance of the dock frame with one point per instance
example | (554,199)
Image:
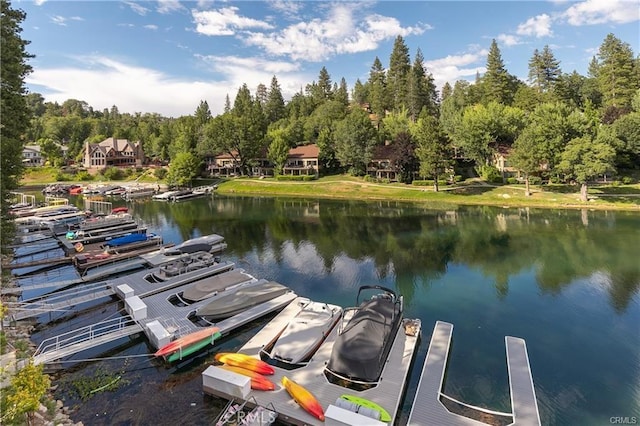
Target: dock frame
(427,407)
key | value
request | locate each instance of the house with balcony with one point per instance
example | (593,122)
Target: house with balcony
(302,160)
(380,165)
(31,156)
(113,152)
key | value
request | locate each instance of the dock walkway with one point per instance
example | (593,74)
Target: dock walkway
(427,408)
(387,393)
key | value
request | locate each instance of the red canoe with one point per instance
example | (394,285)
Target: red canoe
(187,340)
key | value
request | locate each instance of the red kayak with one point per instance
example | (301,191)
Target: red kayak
(258,381)
(187,340)
(120,210)
(245,361)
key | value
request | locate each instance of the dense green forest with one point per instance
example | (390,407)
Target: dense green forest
(557,124)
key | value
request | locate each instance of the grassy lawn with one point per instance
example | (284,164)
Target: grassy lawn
(611,196)
(621,197)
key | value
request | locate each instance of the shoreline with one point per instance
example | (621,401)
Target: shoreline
(505,196)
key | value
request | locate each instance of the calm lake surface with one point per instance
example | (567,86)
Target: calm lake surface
(566,281)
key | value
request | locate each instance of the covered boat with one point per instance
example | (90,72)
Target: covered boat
(211,243)
(363,343)
(305,332)
(245,297)
(128,239)
(211,286)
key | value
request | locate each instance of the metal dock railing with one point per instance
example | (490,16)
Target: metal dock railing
(83,338)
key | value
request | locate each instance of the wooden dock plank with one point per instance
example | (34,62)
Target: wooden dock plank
(427,408)
(523,395)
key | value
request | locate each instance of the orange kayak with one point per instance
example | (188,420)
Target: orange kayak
(304,398)
(245,361)
(258,381)
(188,340)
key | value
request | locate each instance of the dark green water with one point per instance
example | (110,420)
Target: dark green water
(565,281)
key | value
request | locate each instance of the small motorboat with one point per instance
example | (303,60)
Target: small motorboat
(244,297)
(363,344)
(211,243)
(305,332)
(211,286)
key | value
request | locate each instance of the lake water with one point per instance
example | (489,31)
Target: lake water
(567,281)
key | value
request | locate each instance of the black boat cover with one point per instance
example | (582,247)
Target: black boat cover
(360,351)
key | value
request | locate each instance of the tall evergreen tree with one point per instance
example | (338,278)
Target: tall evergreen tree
(274,108)
(341,94)
(421,89)
(544,70)
(398,74)
(447,91)
(496,80)
(377,86)
(433,148)
(227,104)
(617,77)
(202,114)
(324,84)
(262,94)
(14,111)
(360,94)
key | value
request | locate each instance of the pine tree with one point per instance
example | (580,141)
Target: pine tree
(262,95)
(227,104)
(202,114)
(544,70)
(274,109)
(616,77)
(324,84)
(421,89)
(14,111)
(496,80)
(360,94)
(398,74)
(378,88)
(341,94)
(446,91)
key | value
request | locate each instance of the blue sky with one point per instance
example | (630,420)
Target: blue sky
(165,56)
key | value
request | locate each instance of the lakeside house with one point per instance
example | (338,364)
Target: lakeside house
(113,152)
(31,156)
(380,165)
(301,160)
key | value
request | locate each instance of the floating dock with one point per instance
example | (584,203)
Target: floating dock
(388,393)
(427,407)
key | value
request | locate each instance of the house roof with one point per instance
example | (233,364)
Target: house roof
(32,147)
(382,152)
(305,151)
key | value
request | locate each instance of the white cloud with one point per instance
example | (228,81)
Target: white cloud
(103,82)
(137,8)
(228,64)
(538,26)
(455,67)
(62,20)
(151,27)
(340,32)
(289,8)
(593,12)
(508,39)
(39,2)
(224,21)
(169,6)
(127,25)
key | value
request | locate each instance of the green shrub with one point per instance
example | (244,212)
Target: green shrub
(84,176)
(490,174)
(63,177)
(113,173)
(160,173)
(555,179)
(628,180)
(512,180)
(535,180)
(457,178)
(303,178)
